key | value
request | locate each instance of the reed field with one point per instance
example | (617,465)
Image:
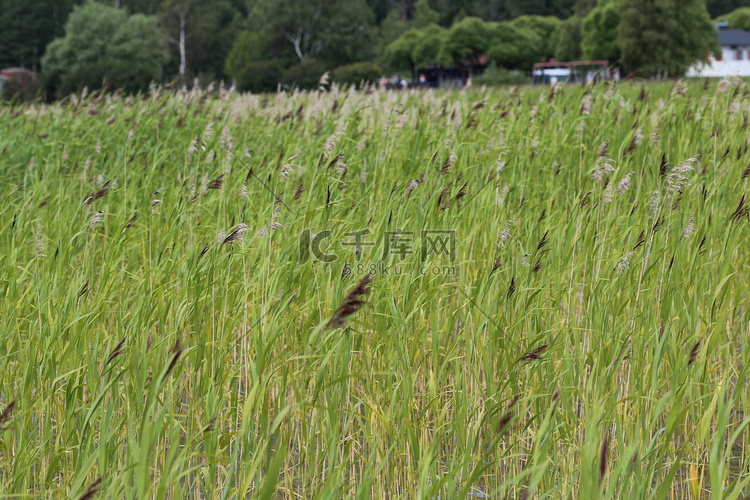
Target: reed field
(523,293)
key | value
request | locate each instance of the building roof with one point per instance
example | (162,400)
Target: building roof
(733,37)
(14,71)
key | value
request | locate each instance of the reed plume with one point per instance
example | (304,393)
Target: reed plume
(352,303)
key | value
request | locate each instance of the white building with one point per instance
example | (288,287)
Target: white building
(735,55)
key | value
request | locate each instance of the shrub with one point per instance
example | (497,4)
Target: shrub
(354,74)
(495,76)
(304,75)
(258,76)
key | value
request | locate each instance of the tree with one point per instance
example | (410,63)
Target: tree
(333,31)
(348,35)
(381,9)
(513,47)
(248,47)
(256,63)
(392,27)
(398,55)
(174,16)
(147,7)
(429,49)
(582,8)
(449,10)
(559,8)
(201,34)
(568,40)
(599,33)
(27,27)
(492,10)
(544,27)
(137,53)
(424,15)
(665,37)
(103,46)
(717,8)
(739,19)
(297,21)
(467,39)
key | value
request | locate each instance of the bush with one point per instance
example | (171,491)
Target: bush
(354,74)
(494,76)
(304,75)
(258,76)
(104,46)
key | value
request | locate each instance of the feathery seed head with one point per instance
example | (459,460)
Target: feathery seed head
(96,219)
(603,168)
(689,228)
(624,184)
(39,242)
(624,264)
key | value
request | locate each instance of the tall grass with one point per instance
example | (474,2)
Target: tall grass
(170,330)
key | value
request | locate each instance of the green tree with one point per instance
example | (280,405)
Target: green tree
(665,37)
(582,8)
(392,27)
(467,39)
(297,21)
(381,9)
(558,8)
(103,45)
(717,8)
(739,19)
(148,7)
(255,63)
(430,49)
(136,53)
(331,31)
(451,10)
(348,36)
(492,10)
(249,47)
(599,33)
(513,47)
(27,27)
(544,27)
(201,34)
(398,54)
(568,40)
(424,15)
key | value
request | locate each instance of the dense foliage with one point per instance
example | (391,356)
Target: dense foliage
(233,39)
(558,306)
(666,37)
(103,46)
(360,74)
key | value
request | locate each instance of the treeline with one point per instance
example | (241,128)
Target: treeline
(654,39)
(259,43)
